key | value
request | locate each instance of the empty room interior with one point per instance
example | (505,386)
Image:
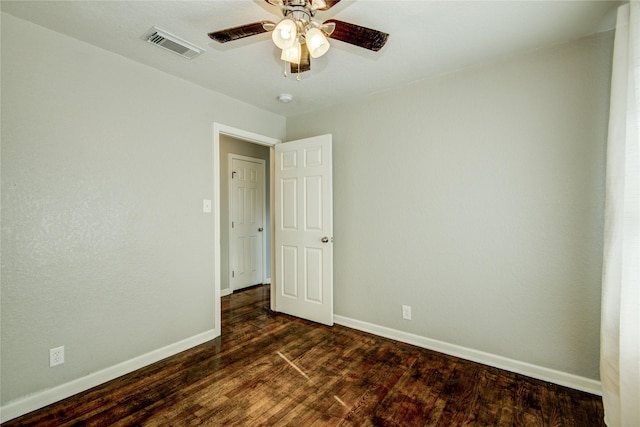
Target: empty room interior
(435,181)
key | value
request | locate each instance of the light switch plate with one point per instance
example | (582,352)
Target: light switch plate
(206,206)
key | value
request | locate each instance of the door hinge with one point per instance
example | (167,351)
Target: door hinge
(233,224)
(233,273)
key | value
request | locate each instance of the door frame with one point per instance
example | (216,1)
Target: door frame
(218,130)
(263,207)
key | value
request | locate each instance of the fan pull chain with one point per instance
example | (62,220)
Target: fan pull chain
(286,73)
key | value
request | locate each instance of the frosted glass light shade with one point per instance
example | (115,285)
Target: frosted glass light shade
(285,33)
(317,43)
(292,54)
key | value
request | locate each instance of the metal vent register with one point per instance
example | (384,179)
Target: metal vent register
(172,43)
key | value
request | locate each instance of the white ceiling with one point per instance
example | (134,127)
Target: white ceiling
(427,38)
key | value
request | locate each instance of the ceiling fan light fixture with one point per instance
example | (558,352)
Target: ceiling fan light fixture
(285,33)
(300,37)
(316,42)
(292,54)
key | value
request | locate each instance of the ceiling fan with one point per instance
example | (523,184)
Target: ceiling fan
(300,36)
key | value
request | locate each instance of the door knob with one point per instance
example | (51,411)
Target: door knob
(325,240)
(260,229)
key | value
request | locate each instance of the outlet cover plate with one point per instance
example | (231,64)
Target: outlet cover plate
(406,312)
(56,356)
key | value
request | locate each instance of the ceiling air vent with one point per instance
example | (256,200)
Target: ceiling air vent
(173,43)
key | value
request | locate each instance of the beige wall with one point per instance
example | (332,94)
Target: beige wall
(105,248)
(477,198)
(231,145)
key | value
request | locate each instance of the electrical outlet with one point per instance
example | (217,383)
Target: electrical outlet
(56,356)
(406,312)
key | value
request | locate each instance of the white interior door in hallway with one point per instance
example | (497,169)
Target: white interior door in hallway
(247,216)
(304,228)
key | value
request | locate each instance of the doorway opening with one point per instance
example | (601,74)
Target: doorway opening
(220,134)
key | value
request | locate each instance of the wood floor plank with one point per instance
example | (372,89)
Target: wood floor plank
(269,369)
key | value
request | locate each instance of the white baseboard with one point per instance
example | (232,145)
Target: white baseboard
(546,374)
(229,291)
(43,398)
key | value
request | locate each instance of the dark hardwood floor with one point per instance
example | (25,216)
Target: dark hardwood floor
(274,370)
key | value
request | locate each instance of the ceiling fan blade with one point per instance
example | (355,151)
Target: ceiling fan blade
(305,61)
(356,35)
(235,33)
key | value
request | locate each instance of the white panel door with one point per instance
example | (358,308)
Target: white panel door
(247,221)
(304,229)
